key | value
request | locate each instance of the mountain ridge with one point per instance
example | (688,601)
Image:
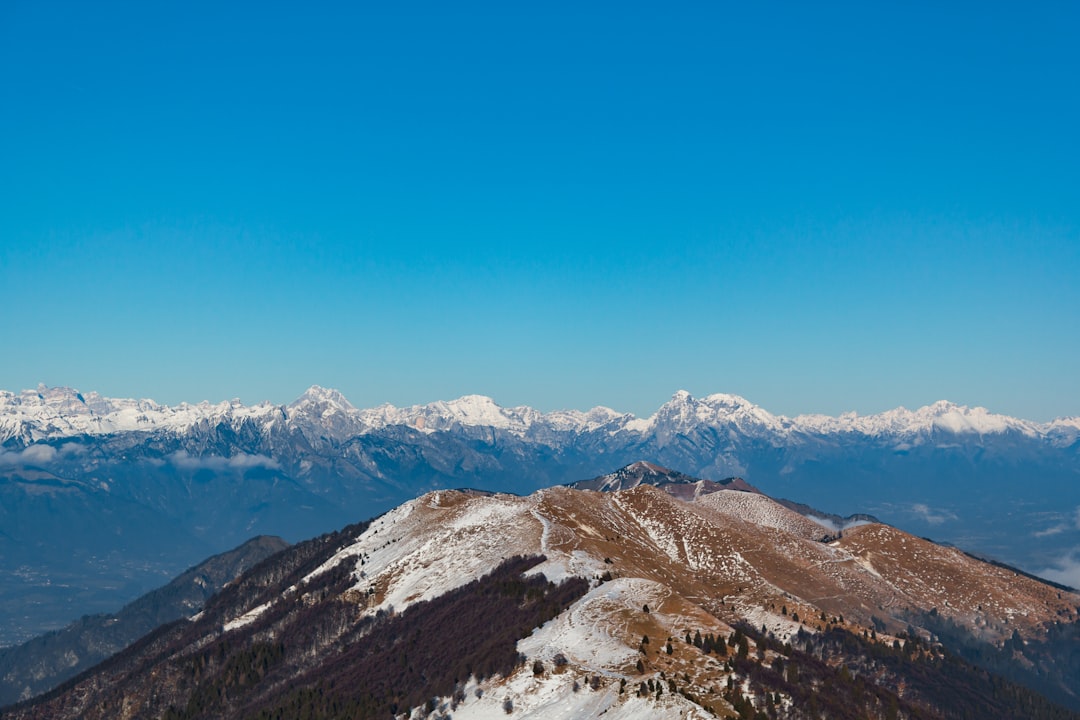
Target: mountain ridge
(759,620)
(672,481)
(58,412)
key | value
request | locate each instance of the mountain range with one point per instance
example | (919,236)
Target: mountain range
(138,490)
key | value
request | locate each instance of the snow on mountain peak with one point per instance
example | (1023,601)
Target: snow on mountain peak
(44,412)
(684,412)
(942,415)
(683,402)
(728,400)
(480,410)
(646,466)
(466,411)
(962,419)
(317,395)
(483,411)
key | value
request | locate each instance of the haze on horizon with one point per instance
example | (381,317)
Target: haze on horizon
(818,209)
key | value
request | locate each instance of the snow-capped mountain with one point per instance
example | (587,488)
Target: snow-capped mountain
(633,475)
(163,486)
(628,605)
(55,413)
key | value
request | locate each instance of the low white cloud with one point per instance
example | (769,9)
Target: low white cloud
(70,449)
(934,516)
(31,455)
(1067,524)
(1065,571)
(825,522)
(183,460)
(836,527)
(244,461)
(39,454)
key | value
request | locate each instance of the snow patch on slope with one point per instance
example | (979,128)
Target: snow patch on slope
(247,618)
(585,635)
(439,542)
(553,697)
(761,510)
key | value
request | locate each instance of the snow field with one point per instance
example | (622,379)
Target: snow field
(762,511)
(552,697)
(249,617)
(594,644)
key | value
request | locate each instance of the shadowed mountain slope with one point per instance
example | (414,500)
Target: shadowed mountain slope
(44,662)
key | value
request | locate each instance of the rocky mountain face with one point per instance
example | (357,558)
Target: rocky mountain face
(43,663)
(139,490)
(627,604)
(673,481)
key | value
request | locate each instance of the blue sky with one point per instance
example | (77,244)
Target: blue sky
(830,208)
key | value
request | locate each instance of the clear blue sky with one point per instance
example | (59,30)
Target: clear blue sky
(821,207)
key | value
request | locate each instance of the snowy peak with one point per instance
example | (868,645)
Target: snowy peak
(322,412)
(316,396)
(684,413)
(45,401)
(475,411)
(632,475)
(50,413)
(480,411)
(645,467)
(942,416)
(466,411)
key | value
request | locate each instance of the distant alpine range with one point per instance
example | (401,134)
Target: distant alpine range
(128,493)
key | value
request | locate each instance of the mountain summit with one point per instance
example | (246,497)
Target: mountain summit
(633,475)
(676,483)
